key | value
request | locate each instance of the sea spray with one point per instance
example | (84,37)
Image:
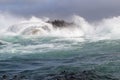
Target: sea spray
(35,48)
(99,30)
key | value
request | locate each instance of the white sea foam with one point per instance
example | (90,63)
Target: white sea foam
(99,30)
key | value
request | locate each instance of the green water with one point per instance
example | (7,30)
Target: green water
(41,56)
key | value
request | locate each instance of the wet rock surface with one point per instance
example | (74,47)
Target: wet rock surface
(64,75)
(60,23)
(15,77)
(85,75)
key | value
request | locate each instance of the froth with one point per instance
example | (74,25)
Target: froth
(104,29)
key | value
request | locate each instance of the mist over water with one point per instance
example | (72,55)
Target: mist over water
(32,46)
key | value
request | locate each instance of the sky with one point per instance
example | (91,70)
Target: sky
(89,9)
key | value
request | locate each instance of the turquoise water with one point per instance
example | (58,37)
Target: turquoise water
(36,49)
(39,56)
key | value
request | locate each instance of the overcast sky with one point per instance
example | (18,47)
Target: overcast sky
(89,9)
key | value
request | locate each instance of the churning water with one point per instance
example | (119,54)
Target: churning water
(33,47)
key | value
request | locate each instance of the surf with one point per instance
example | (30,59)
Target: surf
(78,27)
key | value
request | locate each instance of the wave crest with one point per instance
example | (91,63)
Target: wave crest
(105,29)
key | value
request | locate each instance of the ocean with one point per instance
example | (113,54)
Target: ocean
(81,47)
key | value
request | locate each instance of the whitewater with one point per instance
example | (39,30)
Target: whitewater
(35,48)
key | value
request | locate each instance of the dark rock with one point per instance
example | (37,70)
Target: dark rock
(84,75)
(59,23)
(4,77)
(15,77)
(64,75)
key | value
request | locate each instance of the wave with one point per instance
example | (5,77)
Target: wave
(61,46)
(104,29)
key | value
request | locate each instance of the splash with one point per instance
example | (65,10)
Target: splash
(105,29)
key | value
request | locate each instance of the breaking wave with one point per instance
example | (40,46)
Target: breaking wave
(37,47)
(104,29)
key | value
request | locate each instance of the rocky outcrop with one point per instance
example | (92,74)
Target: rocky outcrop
(85,75)
(60,23)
